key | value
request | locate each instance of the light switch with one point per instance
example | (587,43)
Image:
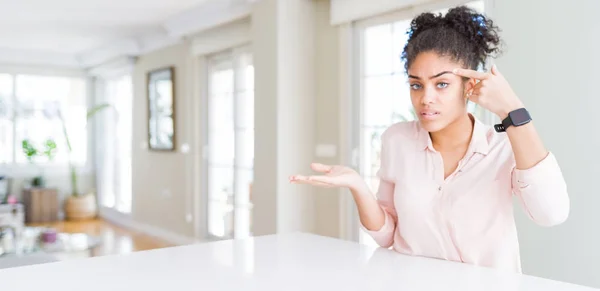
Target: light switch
(166,193)
(326,151)
(185,148)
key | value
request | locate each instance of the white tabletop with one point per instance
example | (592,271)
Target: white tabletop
(279,262)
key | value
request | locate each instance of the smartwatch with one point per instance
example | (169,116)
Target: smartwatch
(515,118)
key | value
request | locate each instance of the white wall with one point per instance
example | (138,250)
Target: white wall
(327,106)
(285,91)
(161,181)
(265,49)
(296,111)
(552,62)
(297,108)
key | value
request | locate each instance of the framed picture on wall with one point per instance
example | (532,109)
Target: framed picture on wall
(161,109)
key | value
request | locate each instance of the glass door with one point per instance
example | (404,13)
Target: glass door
(230,144)
(115,133)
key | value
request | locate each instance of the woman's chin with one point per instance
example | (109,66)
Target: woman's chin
(432,125)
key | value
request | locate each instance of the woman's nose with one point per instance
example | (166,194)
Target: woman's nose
(429,96)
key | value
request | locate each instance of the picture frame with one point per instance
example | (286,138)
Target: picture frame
(161,109)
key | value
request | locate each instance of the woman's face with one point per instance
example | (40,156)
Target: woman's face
(438,95)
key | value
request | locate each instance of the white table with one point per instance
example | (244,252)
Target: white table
(280,262)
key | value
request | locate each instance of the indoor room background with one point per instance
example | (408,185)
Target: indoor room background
(200,121)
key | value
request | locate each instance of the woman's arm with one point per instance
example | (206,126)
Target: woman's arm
(536,179)
(493,92)
(526,144)
(377,213)
(372,216)
(378,217)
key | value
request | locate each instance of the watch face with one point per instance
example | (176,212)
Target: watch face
(520,117)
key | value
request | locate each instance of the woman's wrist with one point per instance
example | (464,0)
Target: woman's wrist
(509,107)
(360,189)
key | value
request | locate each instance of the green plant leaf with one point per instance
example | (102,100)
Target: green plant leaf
(50,149)
(92,111)
(29,149)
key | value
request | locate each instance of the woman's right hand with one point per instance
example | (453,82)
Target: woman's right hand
(333,176)
(372,216)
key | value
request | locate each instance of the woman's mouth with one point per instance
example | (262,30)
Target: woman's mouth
(429,114)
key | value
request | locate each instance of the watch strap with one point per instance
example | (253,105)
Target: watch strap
(520,114)
(499,127)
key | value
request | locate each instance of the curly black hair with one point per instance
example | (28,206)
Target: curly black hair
(463,34)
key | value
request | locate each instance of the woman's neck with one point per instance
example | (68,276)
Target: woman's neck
(456,135)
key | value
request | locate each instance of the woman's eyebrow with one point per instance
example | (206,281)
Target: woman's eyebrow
(434,76)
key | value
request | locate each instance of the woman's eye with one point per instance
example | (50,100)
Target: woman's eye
(442,85)
(415,86)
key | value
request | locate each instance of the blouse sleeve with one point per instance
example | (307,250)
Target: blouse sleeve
(543,192)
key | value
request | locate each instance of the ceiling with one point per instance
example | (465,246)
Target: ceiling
(67,29)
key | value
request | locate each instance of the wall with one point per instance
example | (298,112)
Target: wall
(327,201)
(551,60)
(264,45)
(283,36)
(161,180)
(220,38)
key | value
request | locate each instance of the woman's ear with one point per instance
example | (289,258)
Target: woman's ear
(469,86)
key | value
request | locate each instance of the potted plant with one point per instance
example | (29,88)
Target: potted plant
(31,152)
(79,205)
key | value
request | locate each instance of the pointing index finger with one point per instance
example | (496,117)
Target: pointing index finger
(471,74)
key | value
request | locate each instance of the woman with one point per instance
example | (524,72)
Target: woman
(446,179)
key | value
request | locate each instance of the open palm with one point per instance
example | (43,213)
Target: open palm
(333,176)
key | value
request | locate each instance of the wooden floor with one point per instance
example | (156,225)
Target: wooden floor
(115,240)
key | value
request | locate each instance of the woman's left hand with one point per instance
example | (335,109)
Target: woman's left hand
(492,92)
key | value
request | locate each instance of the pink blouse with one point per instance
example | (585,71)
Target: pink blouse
(467,217)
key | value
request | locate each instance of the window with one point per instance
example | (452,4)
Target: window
(31,107)
(6,119)
(230,143)
(115,135)
(384,92)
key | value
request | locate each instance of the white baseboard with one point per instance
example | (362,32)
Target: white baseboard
(126,221)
